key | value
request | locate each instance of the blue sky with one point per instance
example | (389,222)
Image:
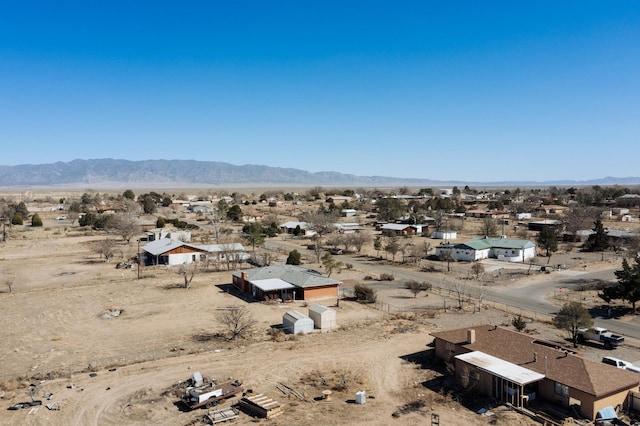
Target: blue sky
(469,90)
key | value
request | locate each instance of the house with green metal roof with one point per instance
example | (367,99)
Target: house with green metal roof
(505,249)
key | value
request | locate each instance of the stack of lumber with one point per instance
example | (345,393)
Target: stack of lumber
(260,405)
(218,416)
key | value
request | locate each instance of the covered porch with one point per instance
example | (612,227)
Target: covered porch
(273,288)
(503,380)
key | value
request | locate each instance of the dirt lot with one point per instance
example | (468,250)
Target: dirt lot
(55,333)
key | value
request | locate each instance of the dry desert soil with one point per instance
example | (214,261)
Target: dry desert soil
(61,344)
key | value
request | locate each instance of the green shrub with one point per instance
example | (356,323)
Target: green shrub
(364,294)
(294,258)
(17,219)
(36,220)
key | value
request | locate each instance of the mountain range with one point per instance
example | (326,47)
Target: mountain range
(115,173)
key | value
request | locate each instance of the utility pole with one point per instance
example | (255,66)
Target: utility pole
(139,260)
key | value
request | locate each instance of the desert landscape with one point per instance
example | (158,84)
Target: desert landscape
(107,345)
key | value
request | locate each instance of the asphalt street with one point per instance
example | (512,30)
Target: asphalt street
(531,297)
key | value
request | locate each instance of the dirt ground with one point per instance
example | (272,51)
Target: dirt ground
(56,290)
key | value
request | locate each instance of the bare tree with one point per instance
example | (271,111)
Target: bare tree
(238,320)
(477,269)
(460,292)
(359,239)
(9,284)
(489,228)
(447,256)
(106,248)
(123,225)
(392,247)
(131,206)
(187,271)
(579,218)
(72,216)
(415,287)
(322,223)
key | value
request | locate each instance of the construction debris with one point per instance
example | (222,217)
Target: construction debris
(218,416)
(290,391)
(54,406)
(260,405)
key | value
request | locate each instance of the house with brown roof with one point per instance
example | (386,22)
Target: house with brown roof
(517,368)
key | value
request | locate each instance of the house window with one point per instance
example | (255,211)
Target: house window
(561,389)
(513,252)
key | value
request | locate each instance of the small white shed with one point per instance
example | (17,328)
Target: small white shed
(445,234)
(323,317)
(295,323)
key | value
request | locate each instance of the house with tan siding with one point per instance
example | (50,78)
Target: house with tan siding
(520,369)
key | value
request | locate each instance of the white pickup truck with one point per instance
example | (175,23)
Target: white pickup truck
(625,365)
(599,334)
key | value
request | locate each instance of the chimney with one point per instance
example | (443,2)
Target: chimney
(535,356)
(471,336)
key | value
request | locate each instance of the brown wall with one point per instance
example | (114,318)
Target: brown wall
(324,292)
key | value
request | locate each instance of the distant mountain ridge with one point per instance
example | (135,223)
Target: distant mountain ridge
(97,173)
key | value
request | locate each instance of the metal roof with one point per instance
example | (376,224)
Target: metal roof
(164,245)
(272,284)
(501,368)
(296,275)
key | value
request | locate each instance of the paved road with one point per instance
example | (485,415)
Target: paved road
(531,297)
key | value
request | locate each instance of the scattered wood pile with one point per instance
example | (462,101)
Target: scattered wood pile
(218,416)
(260,405)
(290,391)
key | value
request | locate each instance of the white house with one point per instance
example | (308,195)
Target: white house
(172,252)
(505,249)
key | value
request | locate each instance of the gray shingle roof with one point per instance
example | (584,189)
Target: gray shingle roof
(296,275)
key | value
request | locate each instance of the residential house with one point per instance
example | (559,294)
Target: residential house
(520,369)
(538,225)
(202,209)
(551,209)
(505,249)
(492,214)
(347,228)
(286,282)
(253,217)
(160,233)
(348,212)
(303,227)
(167,251)
(397,229)
(338,199)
